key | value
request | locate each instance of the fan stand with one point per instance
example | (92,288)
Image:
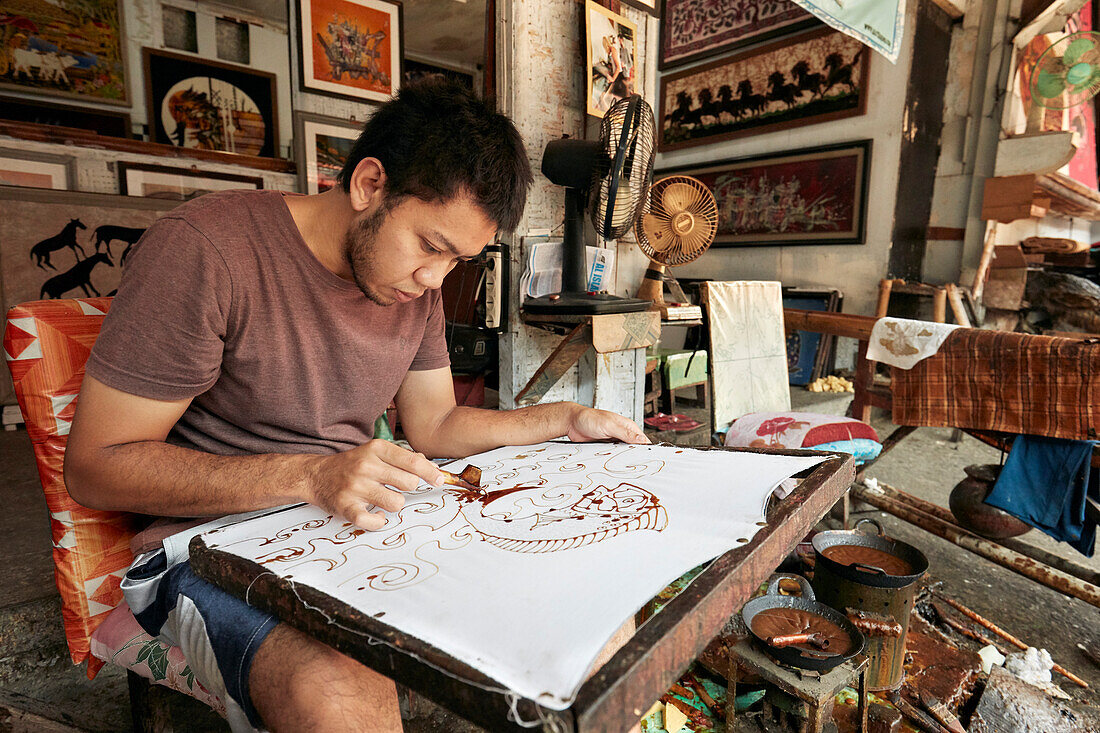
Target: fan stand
(656,279)
(574,298)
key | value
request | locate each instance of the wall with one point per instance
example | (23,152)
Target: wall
(540,78)
(855,269)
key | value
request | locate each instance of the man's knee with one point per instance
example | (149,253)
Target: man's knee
(298,683)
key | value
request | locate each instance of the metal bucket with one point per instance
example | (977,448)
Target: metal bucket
(870,590)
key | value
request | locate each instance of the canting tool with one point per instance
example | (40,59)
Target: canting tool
(470,478)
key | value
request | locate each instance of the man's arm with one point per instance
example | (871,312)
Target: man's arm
(437,427)
(117,459)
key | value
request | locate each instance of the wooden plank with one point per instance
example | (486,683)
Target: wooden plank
(1033,153)
(837,324)
(560,361)
(954,297)
(622,331)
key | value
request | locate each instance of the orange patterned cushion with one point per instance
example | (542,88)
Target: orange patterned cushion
(46,344)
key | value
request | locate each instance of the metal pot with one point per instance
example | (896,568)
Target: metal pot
(968,505)
(872,591)
(793,656)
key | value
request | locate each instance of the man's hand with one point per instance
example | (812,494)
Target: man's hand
(348,483)
(589,424)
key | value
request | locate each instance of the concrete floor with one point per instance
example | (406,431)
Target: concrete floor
(41,690)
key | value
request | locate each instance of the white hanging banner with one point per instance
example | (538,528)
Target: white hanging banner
(877,23)
(527,579)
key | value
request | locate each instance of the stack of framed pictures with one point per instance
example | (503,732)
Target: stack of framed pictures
(811,355)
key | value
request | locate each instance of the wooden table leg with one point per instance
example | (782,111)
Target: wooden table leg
(731,695)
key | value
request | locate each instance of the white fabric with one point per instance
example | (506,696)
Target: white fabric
(902,343)
(748,349)
(879,24)
(528,586)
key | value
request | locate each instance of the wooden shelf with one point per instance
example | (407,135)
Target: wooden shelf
(86,138)
(1008,198)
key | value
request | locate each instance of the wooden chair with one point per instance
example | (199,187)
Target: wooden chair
(46,344)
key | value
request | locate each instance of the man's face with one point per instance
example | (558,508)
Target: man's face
(398,254)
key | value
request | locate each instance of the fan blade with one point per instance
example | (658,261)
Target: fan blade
(1049,85)
(678,197)
(657,232)
(1075,49)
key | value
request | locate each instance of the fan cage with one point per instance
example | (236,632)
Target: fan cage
(634,114)
(699,203)
(1052,67)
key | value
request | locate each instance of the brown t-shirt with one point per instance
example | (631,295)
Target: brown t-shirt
(223,302)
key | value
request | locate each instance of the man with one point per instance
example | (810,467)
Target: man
(254,340)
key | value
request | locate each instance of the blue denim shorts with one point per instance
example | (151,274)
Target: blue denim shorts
(218,633)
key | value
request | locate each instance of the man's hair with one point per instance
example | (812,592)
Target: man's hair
(437,140)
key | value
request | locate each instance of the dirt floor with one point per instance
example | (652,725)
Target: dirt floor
(41,691)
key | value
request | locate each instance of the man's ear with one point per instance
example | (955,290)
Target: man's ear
(367,184)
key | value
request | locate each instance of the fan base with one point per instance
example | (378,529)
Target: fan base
(583,304)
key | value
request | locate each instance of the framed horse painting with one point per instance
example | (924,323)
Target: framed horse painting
(66,244)
(817,76)
(350,48)
(192,103)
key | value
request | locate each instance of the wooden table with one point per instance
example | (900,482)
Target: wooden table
(621,691)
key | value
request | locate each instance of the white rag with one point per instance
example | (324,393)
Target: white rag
(902,342)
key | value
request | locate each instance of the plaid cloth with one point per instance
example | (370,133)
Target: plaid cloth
(1010,382)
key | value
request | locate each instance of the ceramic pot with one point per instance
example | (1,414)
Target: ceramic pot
(970,510)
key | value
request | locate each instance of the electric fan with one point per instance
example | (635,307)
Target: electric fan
(1068,72)
(676,227)
(610,178)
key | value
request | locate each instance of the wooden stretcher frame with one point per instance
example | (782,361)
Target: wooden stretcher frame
(618,694)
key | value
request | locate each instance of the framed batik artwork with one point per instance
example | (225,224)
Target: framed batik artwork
(178,184)
(808,196)
(36,170)
(350,48)
(322,144)
(813,77)
(193,103)
(692,30)
(64,48)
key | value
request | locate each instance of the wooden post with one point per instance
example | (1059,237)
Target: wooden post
(939,305)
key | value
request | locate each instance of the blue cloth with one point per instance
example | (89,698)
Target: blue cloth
(1044,482)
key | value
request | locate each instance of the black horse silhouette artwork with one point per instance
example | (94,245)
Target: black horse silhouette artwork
(77,276)
(108,233)
(65,238)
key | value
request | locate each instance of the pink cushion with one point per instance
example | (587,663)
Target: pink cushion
(794,430)
(120,640)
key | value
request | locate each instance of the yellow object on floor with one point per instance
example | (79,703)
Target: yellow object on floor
(831,384)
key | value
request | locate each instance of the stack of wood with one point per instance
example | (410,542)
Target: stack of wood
(1020,294)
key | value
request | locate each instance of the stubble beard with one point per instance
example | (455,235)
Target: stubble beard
(361,249)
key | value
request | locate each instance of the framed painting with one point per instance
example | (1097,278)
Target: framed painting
(102,122)
(322,144)
(193,103)
(177,184)
(350,48)
(36,170)
(611,57)
(65,48)
(818,76)
(653,7)
(65,244)
(808,196)
(697,29)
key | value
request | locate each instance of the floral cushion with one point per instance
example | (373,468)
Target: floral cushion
(795,430)
(46,344)
(121,641)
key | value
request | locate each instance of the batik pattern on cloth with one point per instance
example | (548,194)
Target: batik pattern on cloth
(527,577)
(1001,381)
